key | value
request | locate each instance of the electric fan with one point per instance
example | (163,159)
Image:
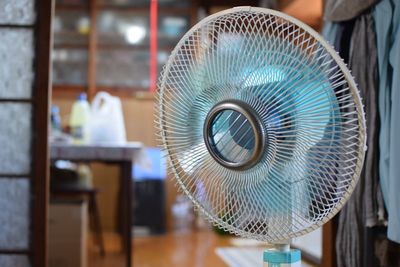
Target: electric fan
(263,126)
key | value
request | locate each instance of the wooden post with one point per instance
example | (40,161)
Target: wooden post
(329,232)
(40,156)
(91,90)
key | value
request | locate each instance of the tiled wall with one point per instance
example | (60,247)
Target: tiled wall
(17,18)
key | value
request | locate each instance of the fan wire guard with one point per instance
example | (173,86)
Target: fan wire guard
(309,108)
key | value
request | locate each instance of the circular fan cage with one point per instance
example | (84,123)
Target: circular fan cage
(262,123)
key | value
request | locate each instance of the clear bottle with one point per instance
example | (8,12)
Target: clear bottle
(55,118)
(182,212)
(79,120)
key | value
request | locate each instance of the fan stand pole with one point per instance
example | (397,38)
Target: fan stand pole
(282,256)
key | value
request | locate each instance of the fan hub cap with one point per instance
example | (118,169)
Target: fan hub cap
(234,135)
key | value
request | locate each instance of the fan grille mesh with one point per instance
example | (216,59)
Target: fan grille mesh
(307,102)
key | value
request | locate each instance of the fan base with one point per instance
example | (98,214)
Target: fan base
(282,258)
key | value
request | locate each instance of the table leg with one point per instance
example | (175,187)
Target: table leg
(329,231)
(126,214)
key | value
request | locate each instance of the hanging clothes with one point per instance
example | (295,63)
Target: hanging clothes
(356,42)
(363,61)
(341,10)
(387,24)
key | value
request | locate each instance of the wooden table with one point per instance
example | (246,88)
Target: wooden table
(122,155)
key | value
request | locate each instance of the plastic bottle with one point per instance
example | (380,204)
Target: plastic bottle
(55,118)
(182,212)
(79,120)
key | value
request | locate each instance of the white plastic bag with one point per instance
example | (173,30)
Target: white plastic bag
(107,120)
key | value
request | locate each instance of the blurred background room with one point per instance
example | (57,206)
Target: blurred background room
(95,191)
(118,47)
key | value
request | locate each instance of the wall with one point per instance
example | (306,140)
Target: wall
(139,122)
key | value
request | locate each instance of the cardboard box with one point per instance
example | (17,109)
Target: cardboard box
(68,223)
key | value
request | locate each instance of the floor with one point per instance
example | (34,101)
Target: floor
(177,250)
(195,249)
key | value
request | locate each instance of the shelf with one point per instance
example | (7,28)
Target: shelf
(69,87)
(112,47)
(68,91)
(145,4)
(71,7)
(70,46)
(70,67)
(122,89)
(106,48)
(70,32)
(122,8)
(132,47)
(71,38)
(71,91)
(146,10)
